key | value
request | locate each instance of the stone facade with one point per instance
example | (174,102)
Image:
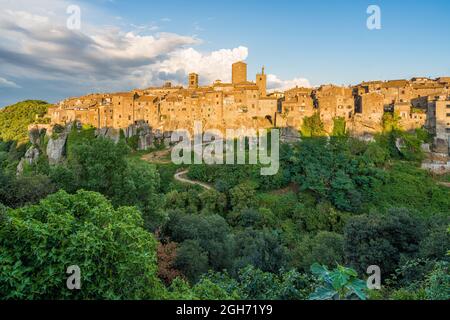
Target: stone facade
(168,108)
(241,103)
(438,122)
(239,72)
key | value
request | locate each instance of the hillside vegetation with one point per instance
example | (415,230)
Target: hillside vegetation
(15,119)
(336,207)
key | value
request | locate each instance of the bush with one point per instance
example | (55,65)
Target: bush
(313,126)
(191,260)
(211,233)
(382,239)
(261,249)
(117,257)
(325,248)
(18,191)
(15,119)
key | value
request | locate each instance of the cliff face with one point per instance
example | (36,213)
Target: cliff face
(31,157)
(55,148)
(51,141)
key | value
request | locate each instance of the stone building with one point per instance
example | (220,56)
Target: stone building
(244,104)
(334,102)
(168,108)
(369,111)
(438,122)
(296,105)
(396,91)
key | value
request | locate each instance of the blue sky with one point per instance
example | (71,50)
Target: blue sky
(313,42)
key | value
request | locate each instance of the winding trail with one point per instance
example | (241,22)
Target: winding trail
(180,176)
(160,157)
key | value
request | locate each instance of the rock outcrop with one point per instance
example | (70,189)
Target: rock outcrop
(56,148)
(30,158)
(441,146)
(110,133)
(289,135)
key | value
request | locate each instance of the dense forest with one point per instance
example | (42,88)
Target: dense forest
(337,206)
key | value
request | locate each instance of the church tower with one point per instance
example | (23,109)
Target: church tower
(261,82)
(239,72)
(193,81)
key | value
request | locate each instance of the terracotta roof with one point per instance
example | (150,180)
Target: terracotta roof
(395,84)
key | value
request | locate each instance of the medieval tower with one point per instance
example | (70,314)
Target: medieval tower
(239,72)
(261,82)
(193,81)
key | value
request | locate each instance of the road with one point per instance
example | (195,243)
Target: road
(179,176)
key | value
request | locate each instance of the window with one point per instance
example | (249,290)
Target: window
(448,106)
(448,115)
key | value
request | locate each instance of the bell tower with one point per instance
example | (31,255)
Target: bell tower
(261,82)
(193,81)
(239,72)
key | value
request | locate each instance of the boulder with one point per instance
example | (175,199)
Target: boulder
(56,148)
(31,157)
(400,144)
(441,146)
(289,135)
(113,134)
(110,133)
(145,141)
(425,147)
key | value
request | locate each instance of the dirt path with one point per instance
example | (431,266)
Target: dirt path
(445,184)
(162,157)
(181,176)
(158,157)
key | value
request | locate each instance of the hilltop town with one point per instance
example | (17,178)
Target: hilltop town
(416,103)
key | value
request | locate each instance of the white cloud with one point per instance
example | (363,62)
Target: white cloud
(36,45)
(210,66)
(7,84)
(276,84)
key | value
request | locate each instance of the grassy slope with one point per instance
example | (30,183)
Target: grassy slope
(15,119)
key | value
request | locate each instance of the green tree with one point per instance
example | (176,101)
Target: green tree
(100,165)
(116,256)
(391,121)
(22,190)
(260,248)
(339,284)
(211,232)
(381,240)
(243,196)
(213,201)
(191,260)
(437,284)
(325,248)
(312,126)
(328,169)
(15,119)
(338,127)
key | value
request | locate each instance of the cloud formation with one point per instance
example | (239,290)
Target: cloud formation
(276,84)
(4,83)
(36,45)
